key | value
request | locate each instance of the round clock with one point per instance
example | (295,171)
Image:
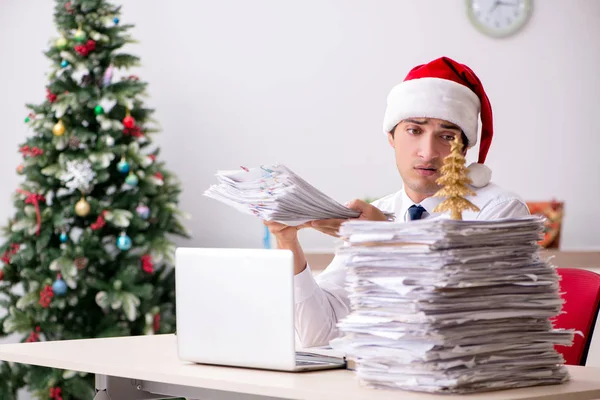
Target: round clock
(499,18)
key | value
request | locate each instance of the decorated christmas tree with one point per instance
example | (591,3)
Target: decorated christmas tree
(454,181)
(89,250)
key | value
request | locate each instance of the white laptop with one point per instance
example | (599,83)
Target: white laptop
(235,307)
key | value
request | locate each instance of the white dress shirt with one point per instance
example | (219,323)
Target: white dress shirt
(322,301)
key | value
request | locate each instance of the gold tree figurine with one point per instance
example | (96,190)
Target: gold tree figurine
(454,181)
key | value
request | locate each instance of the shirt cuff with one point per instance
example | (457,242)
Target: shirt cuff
(304,285)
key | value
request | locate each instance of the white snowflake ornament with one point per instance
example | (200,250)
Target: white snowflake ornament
(79,175)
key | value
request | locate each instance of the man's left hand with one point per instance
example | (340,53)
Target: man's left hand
(367,212)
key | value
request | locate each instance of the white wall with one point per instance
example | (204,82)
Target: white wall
(304,83)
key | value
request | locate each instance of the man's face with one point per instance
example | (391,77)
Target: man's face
(421,144)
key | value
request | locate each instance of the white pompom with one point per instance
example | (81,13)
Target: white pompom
(479,174)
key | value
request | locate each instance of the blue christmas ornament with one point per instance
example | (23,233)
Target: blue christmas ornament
(64,64)
(132,179)
(116,20)
(143,211)
(64,237)
(59,287)
(123,166)
(124,242)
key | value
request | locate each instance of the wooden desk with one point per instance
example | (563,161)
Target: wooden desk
(147,367)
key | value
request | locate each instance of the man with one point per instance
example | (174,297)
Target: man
(434,104)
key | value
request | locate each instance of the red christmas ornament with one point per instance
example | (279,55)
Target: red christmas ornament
(136,131)
(100,222)
(46,296)
(34,336)
(85,49)
(147,265)
(129,122)
(90,45)
(81,49)
(14,247)
(32,152)
(69,8)
(50,96)
(1,275)
(55,393)
(159,176)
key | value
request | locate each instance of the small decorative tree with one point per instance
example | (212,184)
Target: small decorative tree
(454,181)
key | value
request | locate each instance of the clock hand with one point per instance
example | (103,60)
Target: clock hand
(496,4)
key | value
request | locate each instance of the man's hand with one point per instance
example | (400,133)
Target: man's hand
(367,212)
(284,234)
(287,239)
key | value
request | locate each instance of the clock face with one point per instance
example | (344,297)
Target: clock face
(499,18)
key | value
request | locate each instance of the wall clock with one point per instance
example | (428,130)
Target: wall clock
(499,18)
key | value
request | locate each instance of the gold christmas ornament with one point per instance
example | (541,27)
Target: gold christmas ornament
(82,207)
(454,181)
(59,128)
(80,35)
(61,43)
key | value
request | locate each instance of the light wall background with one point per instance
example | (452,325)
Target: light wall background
(304,83)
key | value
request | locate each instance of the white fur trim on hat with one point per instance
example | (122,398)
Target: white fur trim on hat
(480,175)
(434,98)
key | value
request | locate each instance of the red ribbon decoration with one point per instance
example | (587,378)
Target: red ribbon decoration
(33,198)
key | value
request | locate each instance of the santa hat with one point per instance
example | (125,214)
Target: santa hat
(447,90)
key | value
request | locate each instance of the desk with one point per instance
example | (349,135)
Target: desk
(146,367)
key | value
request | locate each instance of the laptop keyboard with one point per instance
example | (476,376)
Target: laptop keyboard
(308,359)
(302,362)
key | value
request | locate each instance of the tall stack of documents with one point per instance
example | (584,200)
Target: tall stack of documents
(276,193)
(449,306)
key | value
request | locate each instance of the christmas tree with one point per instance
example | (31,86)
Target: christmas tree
(88,252)
(454,181)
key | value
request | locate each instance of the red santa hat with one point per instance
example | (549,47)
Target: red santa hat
(447,90)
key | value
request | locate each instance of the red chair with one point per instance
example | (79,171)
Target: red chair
(581,291)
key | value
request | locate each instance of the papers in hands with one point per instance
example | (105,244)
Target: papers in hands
(276,193)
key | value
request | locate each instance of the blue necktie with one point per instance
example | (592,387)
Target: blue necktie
(415,212)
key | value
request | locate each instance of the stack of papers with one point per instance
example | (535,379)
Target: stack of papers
(450,306)
(275,193)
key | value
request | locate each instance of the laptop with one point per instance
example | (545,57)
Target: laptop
(235,307)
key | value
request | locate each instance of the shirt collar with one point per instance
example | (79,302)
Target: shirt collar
(429,204)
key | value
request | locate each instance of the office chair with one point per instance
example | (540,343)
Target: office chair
(581,291)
